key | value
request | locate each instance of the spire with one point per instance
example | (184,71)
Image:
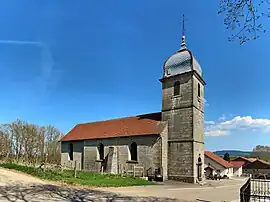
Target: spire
(183,44)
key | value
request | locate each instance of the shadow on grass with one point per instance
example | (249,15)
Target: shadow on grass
(47,192)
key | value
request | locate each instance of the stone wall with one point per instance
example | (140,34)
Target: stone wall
(198,152)
(180,162)
(198,101)
(116,153)
(185,117)
(78,147)
(198,127)
(164,151)
(169,101)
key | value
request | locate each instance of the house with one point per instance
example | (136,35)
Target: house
(245,159)
(214,164)
(257,168)
(237,167)
(169,142)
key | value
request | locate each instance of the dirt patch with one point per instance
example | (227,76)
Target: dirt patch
(8,176)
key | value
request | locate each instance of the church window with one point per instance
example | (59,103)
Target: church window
(199,90)
(101,151)
(133,151)
(70,151)
(176,88)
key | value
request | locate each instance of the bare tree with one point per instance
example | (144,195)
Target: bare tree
(52,146)
(22,141)
(243,17)
(5,144)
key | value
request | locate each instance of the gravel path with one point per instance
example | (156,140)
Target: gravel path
(18,187)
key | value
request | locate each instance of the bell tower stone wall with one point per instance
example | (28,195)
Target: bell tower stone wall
(184,113)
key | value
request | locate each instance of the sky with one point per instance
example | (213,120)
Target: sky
(68,62)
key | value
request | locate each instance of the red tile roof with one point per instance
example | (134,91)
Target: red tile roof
(237,164)
(218,159)
(147,124)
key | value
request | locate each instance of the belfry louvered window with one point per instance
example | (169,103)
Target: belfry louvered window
(199,90)
(176,88)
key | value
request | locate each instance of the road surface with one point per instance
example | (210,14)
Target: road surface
(15,186)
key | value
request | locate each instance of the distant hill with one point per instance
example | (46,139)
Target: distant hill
(233,153)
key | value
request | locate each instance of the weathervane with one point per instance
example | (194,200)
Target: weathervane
(183,44)
(183,24)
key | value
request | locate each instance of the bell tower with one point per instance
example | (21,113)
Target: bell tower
(183,109)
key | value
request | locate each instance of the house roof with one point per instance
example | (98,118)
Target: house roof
(147,124)
(264,162)
(252,159)
(237,164)
(218,159)
(258,164)
(209,168)
(241,158)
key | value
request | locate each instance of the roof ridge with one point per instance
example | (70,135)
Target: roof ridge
(218,159)
(114,119)
(141,124)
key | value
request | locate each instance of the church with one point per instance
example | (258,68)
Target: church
(169,143)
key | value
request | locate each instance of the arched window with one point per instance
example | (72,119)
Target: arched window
(101,151)
(176,88)
(199,90)
(199,160)
(133,151)
(70,151)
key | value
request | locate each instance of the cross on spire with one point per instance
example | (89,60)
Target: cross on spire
(183,25)
(183,44)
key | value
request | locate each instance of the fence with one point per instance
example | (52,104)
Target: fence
(255,190)
(155,174)
(137,171)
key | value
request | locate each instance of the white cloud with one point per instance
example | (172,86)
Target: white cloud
(235,124)
(217,133)
(209,122)
(222,118)
(206,103)
(16,42)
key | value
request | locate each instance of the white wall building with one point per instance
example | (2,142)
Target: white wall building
(237,167)
(215,164)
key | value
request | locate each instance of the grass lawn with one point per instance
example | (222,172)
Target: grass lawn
(83,177)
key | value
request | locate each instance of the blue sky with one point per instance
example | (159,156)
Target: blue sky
(66,62)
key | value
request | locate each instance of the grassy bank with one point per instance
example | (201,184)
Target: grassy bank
(83,177)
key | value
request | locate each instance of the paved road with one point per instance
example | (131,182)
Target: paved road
(215,191)
(18,187)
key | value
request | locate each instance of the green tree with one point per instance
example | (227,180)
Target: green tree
(226,157)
